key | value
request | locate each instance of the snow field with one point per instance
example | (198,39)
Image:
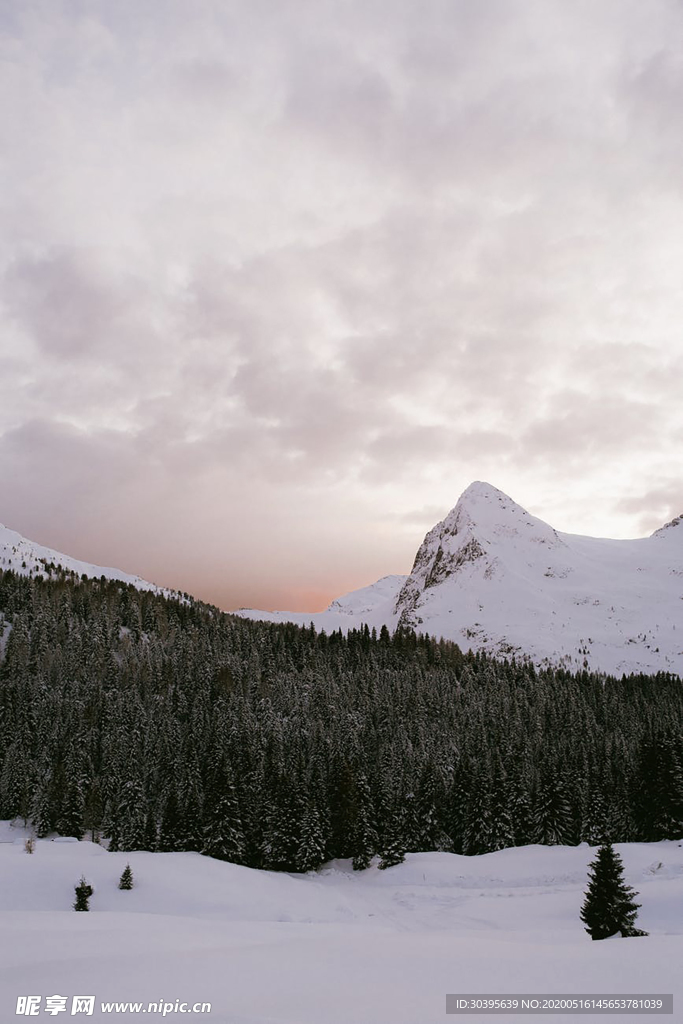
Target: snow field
(333,947)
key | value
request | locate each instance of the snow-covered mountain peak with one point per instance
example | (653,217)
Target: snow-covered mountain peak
(492,577)
(479,491)
(485,535)
(492,515)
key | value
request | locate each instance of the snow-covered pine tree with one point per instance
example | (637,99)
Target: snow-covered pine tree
(132,815)
(478,822)
(552,818)
(92,810)
(169,829)
(16,783)
(365,839)
(191,799)
(429,797)
(520,810)
(393,848)
(41,810)
(83,893)
(126,879)
(502,833)
(282,833)
(456,806)
(223,834)
(344,807)
(660,790)
(311,852)
(609,907)
(70,822)
(594,828)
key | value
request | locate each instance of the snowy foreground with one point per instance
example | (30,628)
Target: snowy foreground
(334,947)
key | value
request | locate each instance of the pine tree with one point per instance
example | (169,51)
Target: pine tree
(429,798)
(169,828)
(660,791)
(42,821)
(457,806)
(311,852)
(70,822)
(344,810)
(478,821)
(92,810)
(609,906)
(282,833)
(83,893)
(552,819)
(15,784)
(502,833)
(223,834)
(131,807)
(393,850)
(365,840)
(126,879)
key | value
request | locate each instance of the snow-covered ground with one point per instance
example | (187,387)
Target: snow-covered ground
(492,577)
(334,947)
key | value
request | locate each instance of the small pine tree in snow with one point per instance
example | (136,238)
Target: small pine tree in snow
(609,906)
(126,879)
(83,893)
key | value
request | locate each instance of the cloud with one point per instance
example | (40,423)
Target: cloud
(66,305)
(269,272)
(663,504)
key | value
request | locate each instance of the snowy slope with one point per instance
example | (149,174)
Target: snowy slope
(373,605)
(333,947)
(28,558)
(492,577)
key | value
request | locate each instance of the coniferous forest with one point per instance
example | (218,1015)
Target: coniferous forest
(164,724)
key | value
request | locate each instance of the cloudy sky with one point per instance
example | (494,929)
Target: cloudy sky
(280,278)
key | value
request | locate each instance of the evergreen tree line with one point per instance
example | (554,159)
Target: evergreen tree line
(164,724)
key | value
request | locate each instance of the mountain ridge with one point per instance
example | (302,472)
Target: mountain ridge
(28,558)
(492,577)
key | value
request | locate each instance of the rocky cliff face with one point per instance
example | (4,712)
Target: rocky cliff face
(468,544)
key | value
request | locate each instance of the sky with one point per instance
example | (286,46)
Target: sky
(280,278)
